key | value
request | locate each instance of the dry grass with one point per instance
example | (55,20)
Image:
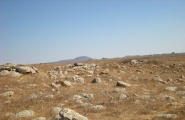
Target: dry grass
(133,108)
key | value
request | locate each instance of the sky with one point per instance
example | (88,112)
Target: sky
(39,31)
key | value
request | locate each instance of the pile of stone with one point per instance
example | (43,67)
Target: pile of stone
(16,70)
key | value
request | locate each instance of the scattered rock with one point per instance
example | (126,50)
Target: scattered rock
(77,97)
(145,97)
(182,76)
(168,98)
(70,70)
(61,75)
(158,79)
(123,84)
(96,80)
(80,80)
(76,79)
(122,97)
(106,71)
(88,96)
(57,68)
(84,96)
(67,83)
(7,102)
(78,64)
(166,116)
(56,110)
(56,84)
(24,113)
(120,90)
(32,96)
(172,89)
(134,61)
(97,108)
(40,118)
(49,96)
(8,93)
(57,117)
(180,92)
(32,85)
(68,114)
(90,72)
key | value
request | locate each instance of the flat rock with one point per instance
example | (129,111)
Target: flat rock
(123,84)
(24,113)
(158,79)
(25,69)
(172,89)
(68,114)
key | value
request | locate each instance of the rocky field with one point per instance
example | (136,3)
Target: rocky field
(140,88)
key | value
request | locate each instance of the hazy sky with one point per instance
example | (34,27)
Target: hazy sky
(34,31)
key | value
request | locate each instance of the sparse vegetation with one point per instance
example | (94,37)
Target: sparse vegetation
(144,97)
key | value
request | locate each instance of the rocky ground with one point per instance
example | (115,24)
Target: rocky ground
(142,88)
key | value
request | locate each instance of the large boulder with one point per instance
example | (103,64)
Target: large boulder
(68,114)
(26,69)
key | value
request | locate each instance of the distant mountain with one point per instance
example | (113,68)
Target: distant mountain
(78,59)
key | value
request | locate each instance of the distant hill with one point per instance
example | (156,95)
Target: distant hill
(78,59)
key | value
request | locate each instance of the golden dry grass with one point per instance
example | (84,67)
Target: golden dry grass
(133,108)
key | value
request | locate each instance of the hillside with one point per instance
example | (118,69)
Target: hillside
(140,88)
(78,59)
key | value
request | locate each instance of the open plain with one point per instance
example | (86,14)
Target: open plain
(135,88)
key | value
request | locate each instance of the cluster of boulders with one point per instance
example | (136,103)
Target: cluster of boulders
(16,70)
